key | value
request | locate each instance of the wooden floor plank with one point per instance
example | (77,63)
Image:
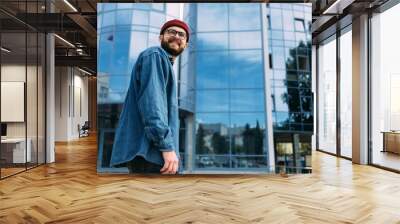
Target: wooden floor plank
(70,191)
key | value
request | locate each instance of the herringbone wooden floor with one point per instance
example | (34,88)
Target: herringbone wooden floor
(70,191)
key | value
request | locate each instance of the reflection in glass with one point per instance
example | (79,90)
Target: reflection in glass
(276,18)
(108,18)
(279,99)
(247,132)
(140,17)
(291,85)
(212,101)
(299,25)
(253,40)
(124,17)
(249,162)
(251,100)
(214,17)
(278,58)
(212,41)
(244,16)
(212,70)
(246,69)
(212,135)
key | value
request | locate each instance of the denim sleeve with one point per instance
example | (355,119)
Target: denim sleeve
(152,102)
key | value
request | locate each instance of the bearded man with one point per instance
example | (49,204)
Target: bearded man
(147,137)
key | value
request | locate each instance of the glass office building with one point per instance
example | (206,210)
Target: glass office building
(237,57)
(222,73)
(292,99)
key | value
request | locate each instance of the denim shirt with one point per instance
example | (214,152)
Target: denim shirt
(149,122)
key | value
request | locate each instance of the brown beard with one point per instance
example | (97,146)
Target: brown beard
(165,46)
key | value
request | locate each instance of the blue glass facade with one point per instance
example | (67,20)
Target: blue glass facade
(292,101)
(223,80)
(226,67)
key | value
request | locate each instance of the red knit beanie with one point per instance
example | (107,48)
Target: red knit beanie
(176,22)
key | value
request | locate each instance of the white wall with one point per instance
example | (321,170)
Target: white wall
(71,93)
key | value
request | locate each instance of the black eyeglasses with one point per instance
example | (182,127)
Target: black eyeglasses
(172,32)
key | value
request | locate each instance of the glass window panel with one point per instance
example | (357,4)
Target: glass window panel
(244,16)
(277,34)
(212,136)
(124,17)
(299,25)
(108,18)
(109,6)
(301,37)
(212,41)
(288,20)
(303,63)
(247,132)
(214,17)
(212,100)
(140,17)
(247,100)
(280,99)
(278,58)
(157,19)
(327,98)
(119,59)
(276,19)
(293,99)
(117,83)
(173,9)
(158,6)
(142,6)
(249,162)
(298,14)
(212,70)
(253,40)
(138,44)
(277,43)
(152,41)
(286,6)
(212,161)
(289,35)
(346,94)
(275,5)
(246,69)
(123,5)
(385,88)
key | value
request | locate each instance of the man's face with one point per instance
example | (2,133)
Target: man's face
(172,40)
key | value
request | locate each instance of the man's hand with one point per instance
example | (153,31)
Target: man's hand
(171,163)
